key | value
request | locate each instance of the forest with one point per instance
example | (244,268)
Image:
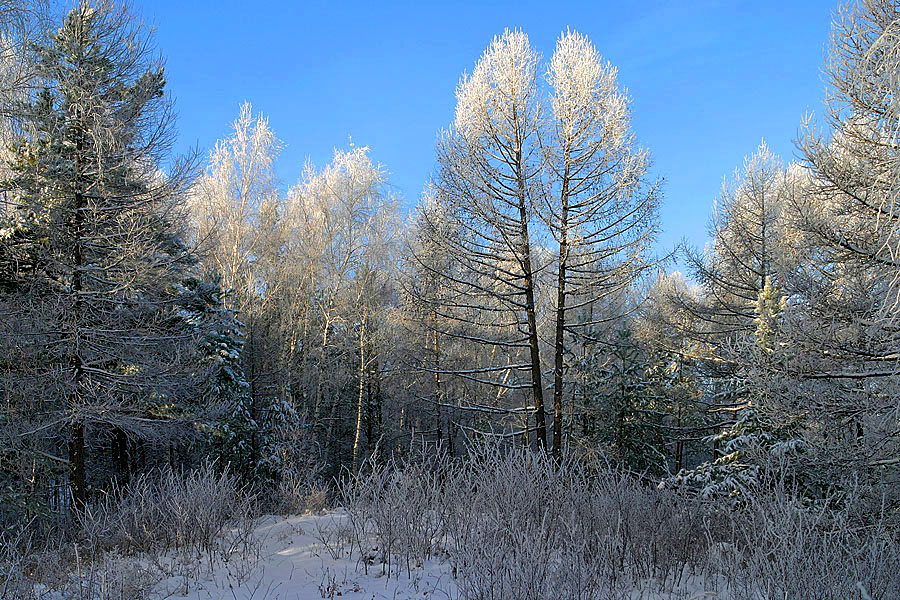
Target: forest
(508,374)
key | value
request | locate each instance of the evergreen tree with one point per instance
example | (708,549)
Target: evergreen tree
(755,439)
(624,410)
(254,443)
(100,224)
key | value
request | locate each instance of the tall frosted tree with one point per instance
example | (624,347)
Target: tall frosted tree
(239,218)
(541,203)
(719,326)
(489,175)
(848,348)
(597,204)
(235,204)
(100,224)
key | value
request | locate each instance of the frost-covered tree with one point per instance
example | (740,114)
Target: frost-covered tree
(224,386)
(234,201)
(488,180)
(846,349)
(757,437)
(726,325)
(101,226)
(749,243)
(348,218)
(596,203)
(239,217)
(541,204)
(440,344)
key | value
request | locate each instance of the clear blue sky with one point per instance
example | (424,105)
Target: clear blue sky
(709,79)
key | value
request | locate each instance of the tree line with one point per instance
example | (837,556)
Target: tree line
(170,310)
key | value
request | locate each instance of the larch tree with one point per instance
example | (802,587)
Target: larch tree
(746,265)
(488,177)
(440,345)
(597,205)
(848,348)
(748,246)
(101,224)
(548,208)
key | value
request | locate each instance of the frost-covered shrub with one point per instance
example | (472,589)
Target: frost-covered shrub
(518,524)
(162,523)
(395,509)
(787,549)
(186,511)
(299,494)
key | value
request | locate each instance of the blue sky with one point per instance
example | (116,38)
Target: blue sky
(709,79)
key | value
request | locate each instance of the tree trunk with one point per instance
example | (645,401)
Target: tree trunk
(559,344)
(120,455)
(437,381)
(370,417)
(362,380)
(78,479)
(679,444)
(76,443)
(537,385)
(319,378)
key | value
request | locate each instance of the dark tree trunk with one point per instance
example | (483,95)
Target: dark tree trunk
(537,385)
(76,443)
(559,345)
(78,478)
(120,455)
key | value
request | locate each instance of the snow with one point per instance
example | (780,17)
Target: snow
(300,558)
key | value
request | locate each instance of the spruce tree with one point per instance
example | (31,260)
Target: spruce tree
(623,409)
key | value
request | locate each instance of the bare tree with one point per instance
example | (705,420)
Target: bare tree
(596,204)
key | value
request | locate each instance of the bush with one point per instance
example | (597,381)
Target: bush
(517,524)
(174,519)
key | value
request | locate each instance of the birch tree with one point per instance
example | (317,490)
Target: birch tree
(232,202)
(347,220)
(239,219)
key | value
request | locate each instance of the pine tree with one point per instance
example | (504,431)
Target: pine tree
(100,223)
(755,439)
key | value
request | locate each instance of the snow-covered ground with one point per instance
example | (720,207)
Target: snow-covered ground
(302,558)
